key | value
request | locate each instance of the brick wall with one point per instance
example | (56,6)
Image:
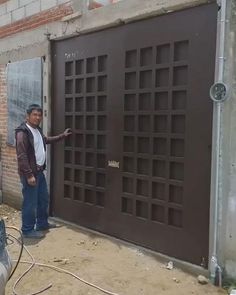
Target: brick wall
(32,22)
(15,10)
(10,180)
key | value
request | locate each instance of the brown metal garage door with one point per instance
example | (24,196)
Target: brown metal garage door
(138,164)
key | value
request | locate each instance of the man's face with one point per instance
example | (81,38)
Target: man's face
(34,118)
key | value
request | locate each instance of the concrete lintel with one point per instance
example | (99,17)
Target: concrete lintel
(25,52)
(133,10)
(167,9)
(111,16)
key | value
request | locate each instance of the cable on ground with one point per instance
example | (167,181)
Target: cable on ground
(33,263)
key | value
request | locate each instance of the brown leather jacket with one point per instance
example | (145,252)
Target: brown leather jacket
(25,149)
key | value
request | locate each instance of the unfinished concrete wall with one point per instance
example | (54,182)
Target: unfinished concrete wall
(227,216)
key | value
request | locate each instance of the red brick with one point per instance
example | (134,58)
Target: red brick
(36,20)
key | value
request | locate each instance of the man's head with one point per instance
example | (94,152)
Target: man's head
(34,115)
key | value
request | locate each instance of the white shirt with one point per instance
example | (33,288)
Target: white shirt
(40,154)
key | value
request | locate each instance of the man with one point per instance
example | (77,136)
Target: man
(31,156)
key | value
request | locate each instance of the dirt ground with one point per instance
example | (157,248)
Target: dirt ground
(107,263)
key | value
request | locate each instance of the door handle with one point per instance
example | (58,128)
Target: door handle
(114,164)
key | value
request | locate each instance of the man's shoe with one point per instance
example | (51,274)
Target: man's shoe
(33,235)
(46,227)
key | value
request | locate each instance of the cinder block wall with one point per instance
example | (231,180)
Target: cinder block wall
(20,15)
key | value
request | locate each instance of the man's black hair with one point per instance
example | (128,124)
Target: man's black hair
(34,107)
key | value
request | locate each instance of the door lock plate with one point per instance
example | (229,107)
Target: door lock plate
(114,164)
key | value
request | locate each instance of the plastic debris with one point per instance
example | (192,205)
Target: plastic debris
(170,265)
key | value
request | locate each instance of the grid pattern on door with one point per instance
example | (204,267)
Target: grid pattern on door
(155,97)
(147,87)
(86,115)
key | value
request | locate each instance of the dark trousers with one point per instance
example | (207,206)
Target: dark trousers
(35,203)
